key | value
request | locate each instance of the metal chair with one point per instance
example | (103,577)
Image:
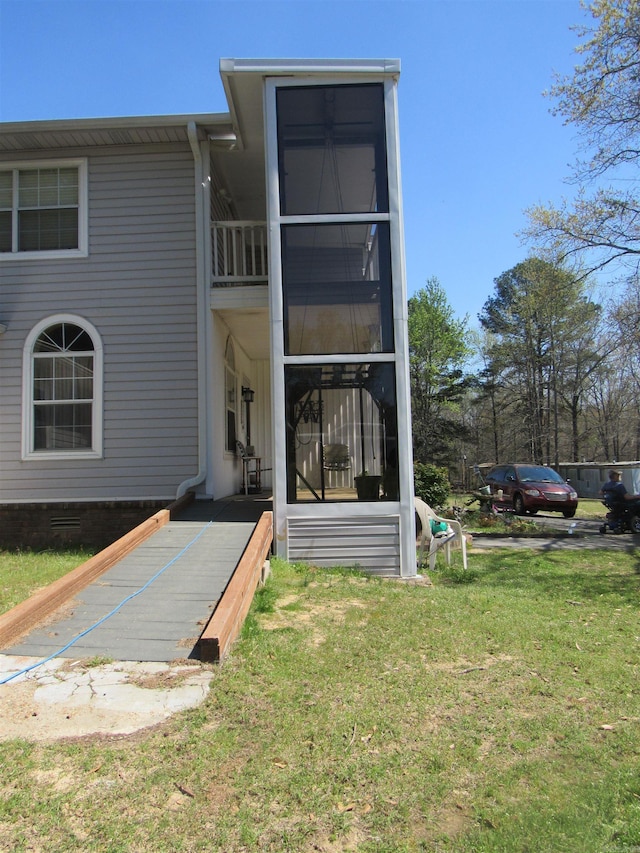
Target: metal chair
(336,457)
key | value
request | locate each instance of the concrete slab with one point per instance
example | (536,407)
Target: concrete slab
(584,542)
(65,698)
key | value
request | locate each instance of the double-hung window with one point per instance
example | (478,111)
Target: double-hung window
(43,209)
(63,389)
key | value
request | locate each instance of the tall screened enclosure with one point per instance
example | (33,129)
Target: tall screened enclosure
(337,295)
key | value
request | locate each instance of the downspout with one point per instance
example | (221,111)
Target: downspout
(202,222)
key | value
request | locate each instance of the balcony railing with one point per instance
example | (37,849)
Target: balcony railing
(239,253)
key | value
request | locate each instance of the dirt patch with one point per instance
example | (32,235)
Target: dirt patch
(286,615)
(164,680)
(351,840)
(462,666)
(55,780)
(452,820)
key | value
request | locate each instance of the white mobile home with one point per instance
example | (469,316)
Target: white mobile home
(205,303)
(587,478)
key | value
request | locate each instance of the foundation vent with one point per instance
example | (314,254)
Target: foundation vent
(69,522)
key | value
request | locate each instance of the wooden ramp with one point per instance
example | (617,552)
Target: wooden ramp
(156,600)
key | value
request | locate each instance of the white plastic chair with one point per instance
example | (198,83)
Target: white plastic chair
(453,534)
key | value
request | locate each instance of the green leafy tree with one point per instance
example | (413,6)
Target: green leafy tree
(602,101)
(438,353)
(626,327)
(625,333)
(431,484)
(542,325)
(485,401)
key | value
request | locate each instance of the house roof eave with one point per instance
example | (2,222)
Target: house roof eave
(27,136)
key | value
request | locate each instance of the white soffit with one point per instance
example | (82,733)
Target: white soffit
(134,130)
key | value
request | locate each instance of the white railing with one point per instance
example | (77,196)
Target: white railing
(239,253)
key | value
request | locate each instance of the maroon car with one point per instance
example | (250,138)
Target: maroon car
(529,488)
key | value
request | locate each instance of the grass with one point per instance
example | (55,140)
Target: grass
(23,572)
(591,508)
(357,714)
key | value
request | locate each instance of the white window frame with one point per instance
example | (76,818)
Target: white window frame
(83,210)
(96,449)
(230,384)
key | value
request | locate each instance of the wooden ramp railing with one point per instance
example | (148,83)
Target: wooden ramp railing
(228,617)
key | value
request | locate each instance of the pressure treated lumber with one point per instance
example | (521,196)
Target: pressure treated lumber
(231,611)
(25,616)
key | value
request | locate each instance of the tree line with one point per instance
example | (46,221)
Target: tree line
(553,373)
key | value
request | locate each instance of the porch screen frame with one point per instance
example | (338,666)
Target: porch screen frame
(398,357)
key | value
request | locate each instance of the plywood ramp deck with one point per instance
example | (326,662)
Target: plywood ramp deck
(155,603)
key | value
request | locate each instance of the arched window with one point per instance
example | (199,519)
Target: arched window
(230,396)
(63,389)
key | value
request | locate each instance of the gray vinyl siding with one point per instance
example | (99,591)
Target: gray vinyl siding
(138,288)
(367,542)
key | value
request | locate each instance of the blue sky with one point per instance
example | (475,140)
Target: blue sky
(478,143)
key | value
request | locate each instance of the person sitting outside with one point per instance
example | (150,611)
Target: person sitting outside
(614,493)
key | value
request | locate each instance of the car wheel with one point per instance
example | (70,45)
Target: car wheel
(634,523)
(569,513)
(518,504)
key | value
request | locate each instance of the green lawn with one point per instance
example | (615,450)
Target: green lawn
(23,572)
(496,710)
(591,508)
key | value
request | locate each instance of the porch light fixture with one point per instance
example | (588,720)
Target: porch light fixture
(247,397)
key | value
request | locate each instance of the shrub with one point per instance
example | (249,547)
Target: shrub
(431,484)
(486,520)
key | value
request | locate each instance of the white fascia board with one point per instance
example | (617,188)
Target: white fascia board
(275,67)
(200,119)
(233,112)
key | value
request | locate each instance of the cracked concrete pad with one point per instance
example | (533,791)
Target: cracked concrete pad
(65,698)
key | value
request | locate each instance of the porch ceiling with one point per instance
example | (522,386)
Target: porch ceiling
(250,328)
(243,165)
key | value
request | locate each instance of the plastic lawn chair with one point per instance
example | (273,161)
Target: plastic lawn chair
(433,542)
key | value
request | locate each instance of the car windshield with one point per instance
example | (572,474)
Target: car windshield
(538,474)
